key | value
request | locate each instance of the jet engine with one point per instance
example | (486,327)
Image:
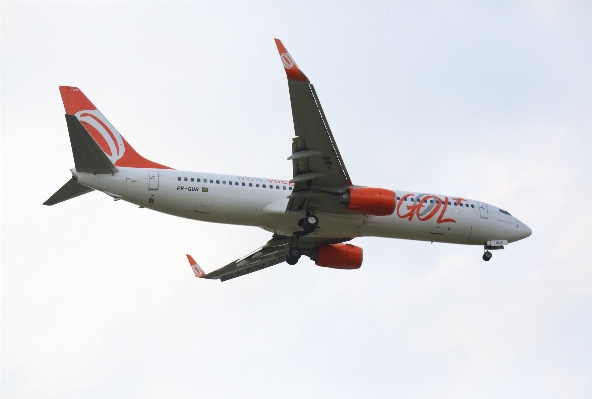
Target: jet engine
(339,256)
(369,201)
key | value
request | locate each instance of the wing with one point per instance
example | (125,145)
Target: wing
(317,164)
(272,253)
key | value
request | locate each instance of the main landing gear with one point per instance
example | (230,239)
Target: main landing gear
(487,256)
(309,223)
(293,256)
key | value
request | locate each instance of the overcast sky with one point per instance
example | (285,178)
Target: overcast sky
(486,100)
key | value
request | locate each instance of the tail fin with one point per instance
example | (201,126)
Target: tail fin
(68,191)
(199,273)
(117,149)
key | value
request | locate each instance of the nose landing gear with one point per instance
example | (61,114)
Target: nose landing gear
(493,245)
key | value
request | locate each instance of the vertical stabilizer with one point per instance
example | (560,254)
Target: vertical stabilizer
(115,147)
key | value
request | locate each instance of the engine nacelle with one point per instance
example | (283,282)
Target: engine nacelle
(370,201)
(339,256)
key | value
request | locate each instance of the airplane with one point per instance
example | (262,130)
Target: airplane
(314,213)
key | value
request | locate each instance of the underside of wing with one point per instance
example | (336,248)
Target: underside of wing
(272,253)
(260,259)
(318,168)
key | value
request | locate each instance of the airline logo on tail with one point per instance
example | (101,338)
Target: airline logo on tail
(199,273)
(104,133)
(117,149)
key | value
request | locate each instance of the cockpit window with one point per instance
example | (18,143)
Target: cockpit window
(505,212)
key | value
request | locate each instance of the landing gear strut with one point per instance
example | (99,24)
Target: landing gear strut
(487,256)
(293,256)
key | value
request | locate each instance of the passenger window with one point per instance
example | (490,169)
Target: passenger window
(398,198)
(250,184)
(467,205)
(178,178)
(431,201)
(224,182)
(290,188)
(185,179)
(449,203)
(256,185)
(472,206)
(284,187)
(236,183)
(264,186)
(405,199)
(211,181)
(198,179)
(217,181)
(455,203)
(192,179)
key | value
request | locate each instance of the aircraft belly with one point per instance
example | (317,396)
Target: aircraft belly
(488,229)
(336,225)
(394,226)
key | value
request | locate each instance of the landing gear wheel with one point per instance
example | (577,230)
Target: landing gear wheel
(487,256)
(293,256)
(310,223)
(290,261)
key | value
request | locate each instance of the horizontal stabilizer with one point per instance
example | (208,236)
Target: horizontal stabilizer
(68,191)
(88,156)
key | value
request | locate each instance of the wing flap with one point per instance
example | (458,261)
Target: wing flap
(314,135)
(262,258)
(256,267)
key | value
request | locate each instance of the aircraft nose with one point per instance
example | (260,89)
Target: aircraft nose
(525,231)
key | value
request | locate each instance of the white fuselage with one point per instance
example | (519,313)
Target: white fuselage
(262,202)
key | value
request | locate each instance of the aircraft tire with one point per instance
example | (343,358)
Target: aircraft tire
(294,253)
(293,256)
(291,261)
(487,256)
(310,223)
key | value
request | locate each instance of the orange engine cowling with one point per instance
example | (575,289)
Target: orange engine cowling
(340,256)
(370,201)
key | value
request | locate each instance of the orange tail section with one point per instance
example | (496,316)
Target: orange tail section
(117,149)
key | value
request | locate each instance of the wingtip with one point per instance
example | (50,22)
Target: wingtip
(293,72)
(198,271)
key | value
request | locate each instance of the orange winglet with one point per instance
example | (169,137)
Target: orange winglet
(199,273)
(292,70)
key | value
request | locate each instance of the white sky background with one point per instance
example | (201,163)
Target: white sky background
(489,100)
